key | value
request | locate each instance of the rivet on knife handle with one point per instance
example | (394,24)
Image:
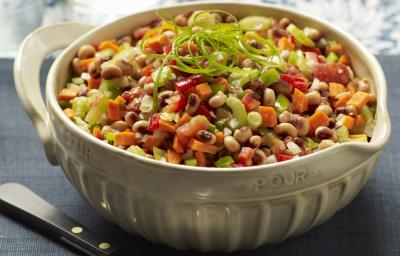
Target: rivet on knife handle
(19,202)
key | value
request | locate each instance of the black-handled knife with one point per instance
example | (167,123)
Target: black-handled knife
(19,202)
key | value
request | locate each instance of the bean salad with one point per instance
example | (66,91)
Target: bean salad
(209,89)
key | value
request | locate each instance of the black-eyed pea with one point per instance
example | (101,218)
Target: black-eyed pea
(284,22)
(105,129)
(231,144)
(285,129)
(193,103)
(76,66)
(148,88)
(325,108)
(130,118)
(181,20)
(268,97)
(86,51)
(286,117)
(255,141)
(217,100)
(312,33)
(302,125)
(206,137)
(140,126)
(94,68)
(325,133)
(110,71)
(243,134)
(126,68)
(364,86)
(119,125)
(314,98)
(259,157)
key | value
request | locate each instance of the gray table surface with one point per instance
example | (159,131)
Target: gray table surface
(370,225)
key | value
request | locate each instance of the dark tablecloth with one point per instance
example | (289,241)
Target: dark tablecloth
(370,225)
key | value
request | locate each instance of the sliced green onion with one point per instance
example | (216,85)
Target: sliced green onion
(270,76)
(136,150)
(300,36)
(332,57)
(238,109)
(212,128)
(254,119)
(170,117)
(165,75)
(147,104)
(281,103)
(268,137)
(191,162)
(292,59)
(216,88)
(226,161)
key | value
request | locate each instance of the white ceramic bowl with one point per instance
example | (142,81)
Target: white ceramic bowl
(185,207)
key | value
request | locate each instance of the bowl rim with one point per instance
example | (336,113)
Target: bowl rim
(368,147)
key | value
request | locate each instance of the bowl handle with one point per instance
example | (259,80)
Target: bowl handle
(33,50)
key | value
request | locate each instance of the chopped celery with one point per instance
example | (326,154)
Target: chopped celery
(110,88)
(254,119)
(78,80)
(147,104)
(238,109)
(268,137)
(226,161)
(165,75)
(281,103)
(332,57)
(108,52)
(270,76)
(158,153)
(110,137)
(239,79)
(292,58)
(95,112)
(213,128)
(168,116)
(136,150)
(220,124)
(80,106)
(302,64)
(367,114)
(255,23)
(191,162)
(342,134)
(311,144)
(300,36)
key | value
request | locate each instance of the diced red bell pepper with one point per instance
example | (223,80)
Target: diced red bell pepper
(186,83)
(305,48)
(168,48)
(300,83)
(251,101)
(246,154)
(176,106)
(203,110)
(282,157)
(238,165)
(154,122)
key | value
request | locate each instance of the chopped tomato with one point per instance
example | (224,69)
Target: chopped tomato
(154,122)
(332,73)
(246,154)
(251,101)
(203,110)
(188,82)
(282,157)
(298,82)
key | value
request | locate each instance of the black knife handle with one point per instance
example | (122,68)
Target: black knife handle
(19,202)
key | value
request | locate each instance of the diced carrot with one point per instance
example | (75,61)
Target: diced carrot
(120,99)
(246,154)
(219,138)
(67,94)
(285,44)
(69,113)
(84,64)
(276,147)
(125,139)
(222,81)
(348,122)
(173,157)
(268,115)
(97,133)
(166,126)
(336,89)
(177,145)
(201,158)
(191,128)
(184,140)
(147,71)
(151,142)
(358,138)
(318,119)
(114,110)
(203,147)
(203,90)
(300,101)
(108,44)
(183,120)
(94,83)
(344,59)
(359,122)
(359,99)
(342,101)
